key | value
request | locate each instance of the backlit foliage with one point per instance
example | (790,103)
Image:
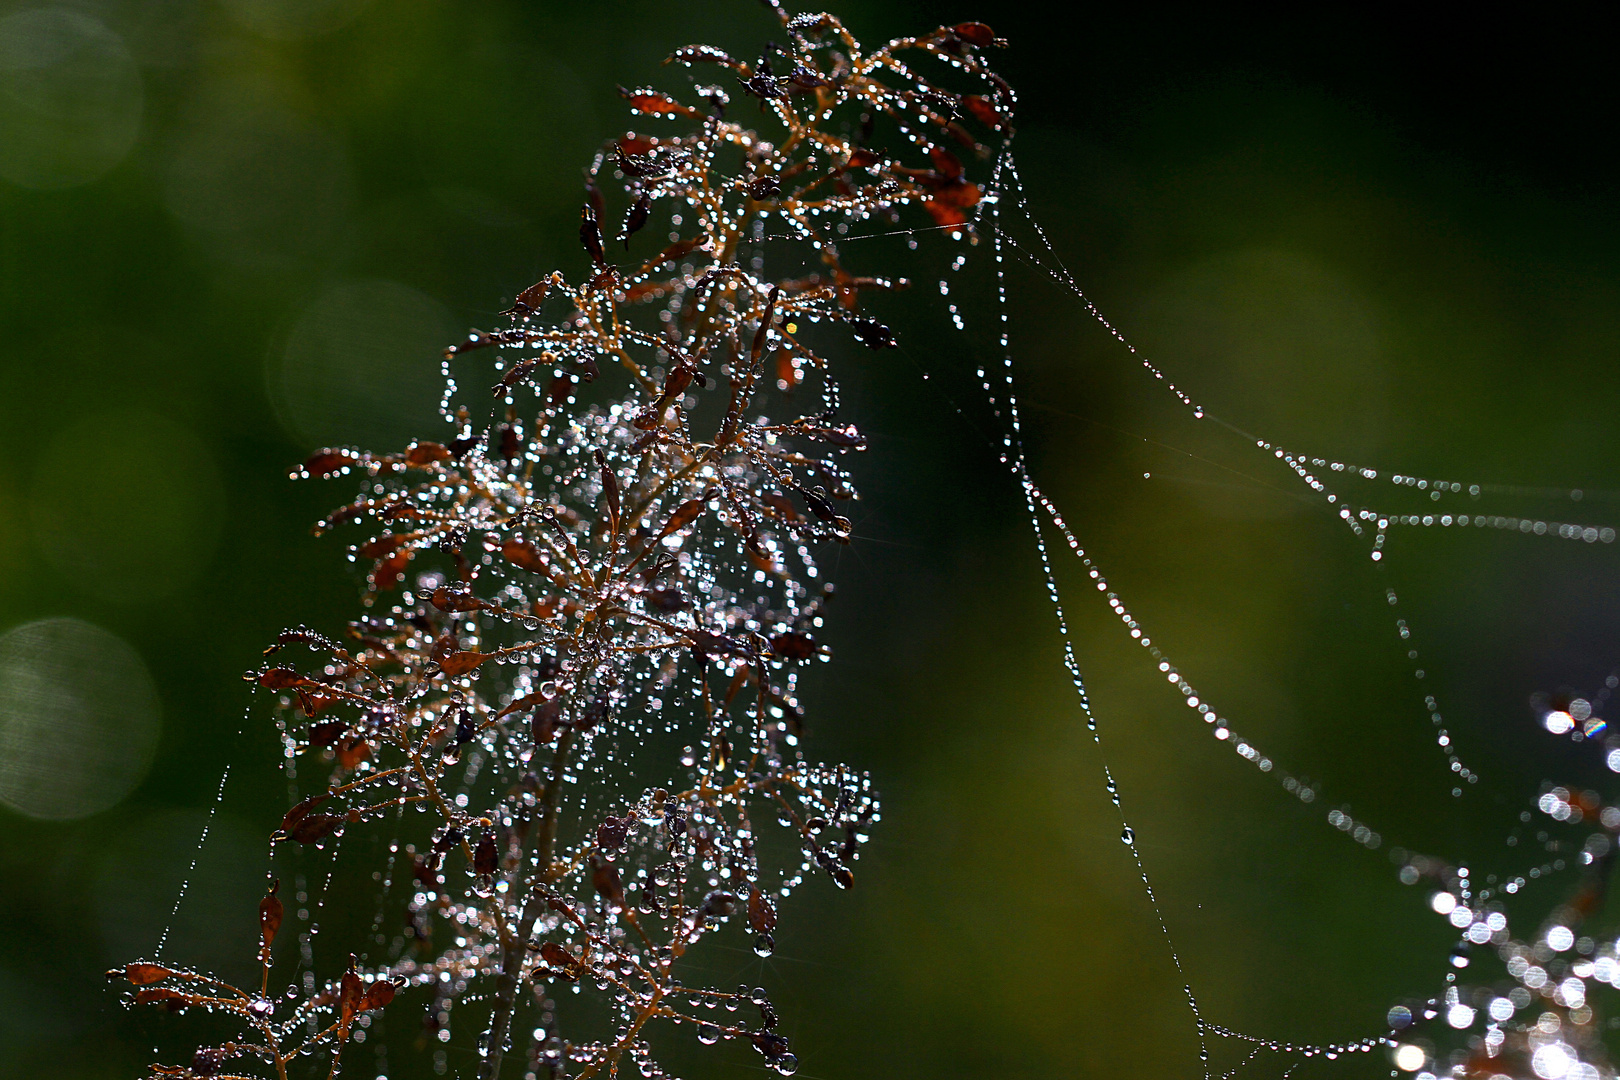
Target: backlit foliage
(621,557)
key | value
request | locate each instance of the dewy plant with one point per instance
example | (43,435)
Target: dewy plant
(612,574)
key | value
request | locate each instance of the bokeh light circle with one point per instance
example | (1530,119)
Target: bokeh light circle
(361,366)
(70,98)
(79,719)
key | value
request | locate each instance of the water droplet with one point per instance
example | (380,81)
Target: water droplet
(1128,836)
(708,1034)
(764,945)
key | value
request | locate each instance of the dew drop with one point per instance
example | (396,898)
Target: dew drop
(1128,836)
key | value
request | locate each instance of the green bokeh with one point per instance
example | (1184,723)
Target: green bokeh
(1386,243)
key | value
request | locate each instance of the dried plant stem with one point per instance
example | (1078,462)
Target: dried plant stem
(515,944)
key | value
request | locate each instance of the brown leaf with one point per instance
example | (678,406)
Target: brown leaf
(328,462)
(143,974)
(270,912)
(298,813)
(350,997)
(975,33)
(379,547)
(313,827)
(657,103)
(561,959)
(280,678)
(153,994)
(761,912)
(486,859)
(610,492)
(390,570)
(327,733)
(529,300)
(684,515)
(947,163)
(426,453)
(351,752)
(456,598)
(590,234)
(610,835)
(523,555)
(378,995)
(794,646)
(459,663)
(605,880)
(983,110)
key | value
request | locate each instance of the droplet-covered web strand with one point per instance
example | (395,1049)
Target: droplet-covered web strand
(620,560)
(1564,1040)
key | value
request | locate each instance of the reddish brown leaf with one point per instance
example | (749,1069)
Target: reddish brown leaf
(657,103)
(459,663)
(975,33)
(761,912)
(684,515)
(328,462)
(523,555)
(426,453)
(529,300)
(142,974)
(351,752)
(153,994)
(781,504)
(270,912)
(486,859)
(378,995)
(379,547)
(947,163)
(610,491)
(313,827)
(982,110)
(561,959)
(298,813)
(280,678)
(605,880)
(794,646)
(350,997)
(456,598)
(389,571)
(324,735)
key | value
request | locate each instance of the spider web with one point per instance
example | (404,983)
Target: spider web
(1359,497)
(1450,1032)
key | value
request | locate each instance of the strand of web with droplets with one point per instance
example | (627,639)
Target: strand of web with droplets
(1013,455)
(1219,727)
(1308,470)
(1036,501)
(196,852)
(1300,465)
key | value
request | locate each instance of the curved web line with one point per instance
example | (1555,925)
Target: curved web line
(1364,522)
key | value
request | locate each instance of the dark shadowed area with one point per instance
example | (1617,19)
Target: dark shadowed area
(233,232)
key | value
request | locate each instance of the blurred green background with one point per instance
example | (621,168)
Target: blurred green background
(233,231)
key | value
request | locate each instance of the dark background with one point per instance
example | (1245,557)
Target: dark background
(1371,235)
